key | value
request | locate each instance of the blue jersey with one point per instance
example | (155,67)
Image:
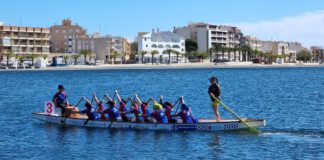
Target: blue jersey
(90,113)
(60,97)
(112,112)
(160,116)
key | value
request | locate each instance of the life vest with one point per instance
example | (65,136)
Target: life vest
(145,111)
(168,112)
(137,113)
(160,116)
(90,114)
(60,97)
(101,107)
(113,113)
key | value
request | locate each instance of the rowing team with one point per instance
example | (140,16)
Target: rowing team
(162,112)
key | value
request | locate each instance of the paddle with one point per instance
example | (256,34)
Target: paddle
(78,103)
(250,128)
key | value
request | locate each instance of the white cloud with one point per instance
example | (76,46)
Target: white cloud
(307,28)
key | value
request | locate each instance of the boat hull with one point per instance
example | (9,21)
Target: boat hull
(203,125)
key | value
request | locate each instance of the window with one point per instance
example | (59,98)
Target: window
(57,31)
(167,46)
(154,46)
(160,46)
(71,31)
(175,46)
(146,45)
(63,31)
(77,31)
(144,39)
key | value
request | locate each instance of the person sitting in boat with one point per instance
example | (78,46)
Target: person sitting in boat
(158,113)
(167,110)
(60,99)
(89,111)
(122,107)
(185,113)
(144,109)
(137,112)
(112,110)
(100,106)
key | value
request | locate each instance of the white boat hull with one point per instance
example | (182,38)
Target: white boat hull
(203,125)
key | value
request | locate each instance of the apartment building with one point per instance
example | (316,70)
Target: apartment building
(62,36)
(209,35)
(24,41)
(253,42)
(317,54)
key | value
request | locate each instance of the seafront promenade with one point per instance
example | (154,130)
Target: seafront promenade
(170,66)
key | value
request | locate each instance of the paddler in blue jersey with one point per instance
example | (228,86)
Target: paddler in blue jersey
(60,99)
(185,113)
(158,113)
(112,110)
(89,111)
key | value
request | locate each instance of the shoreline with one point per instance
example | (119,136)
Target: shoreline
(167,66)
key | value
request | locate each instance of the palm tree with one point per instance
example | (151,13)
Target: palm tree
(142,55)
(75,57)
(216,49)
(20,58)
(240,49)
(177,53)
(210,51)
(33,56)
(169,51)
(85,53)
(8,55)
(223,49)
(154,52)
(202,56)
(115,54)
(66,57)
(235,50)
(229,50)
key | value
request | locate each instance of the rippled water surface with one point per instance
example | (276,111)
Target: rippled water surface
(290,99)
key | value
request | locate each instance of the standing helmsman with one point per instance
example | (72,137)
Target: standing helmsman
(60,100)
(214,93)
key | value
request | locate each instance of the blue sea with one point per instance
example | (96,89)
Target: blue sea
(290,99)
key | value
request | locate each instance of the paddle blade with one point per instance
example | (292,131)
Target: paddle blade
(253,130)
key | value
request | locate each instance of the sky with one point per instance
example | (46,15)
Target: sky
(287,20)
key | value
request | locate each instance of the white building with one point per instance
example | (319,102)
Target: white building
(160,41)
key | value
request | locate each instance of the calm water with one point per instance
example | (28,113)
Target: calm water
(291,99)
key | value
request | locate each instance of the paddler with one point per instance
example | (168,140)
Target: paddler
(185,113)
(137,112)
(144,108)
(112,110)
(89,111)
(214,90)
(122,107)
(100,105)
(167,110)
(60,99)
(158,113)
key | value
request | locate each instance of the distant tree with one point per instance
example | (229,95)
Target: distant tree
(134,49)
(202,56)
(191,46)
(216,49)
(85,53)
(75,57)
(142,53)
(169,51)
(304,56)
(66,57)
(114,55)
(153,53)
(177,53)
(33,56)
(20,58)
(8,55)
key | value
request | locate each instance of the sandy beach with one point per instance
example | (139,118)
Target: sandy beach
(172,66)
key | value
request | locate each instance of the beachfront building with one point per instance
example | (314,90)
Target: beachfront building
(281,48)
(122,46)
(253,42)
(23,41)
(160,41)
(209,35)
(317,54)
(62,36)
